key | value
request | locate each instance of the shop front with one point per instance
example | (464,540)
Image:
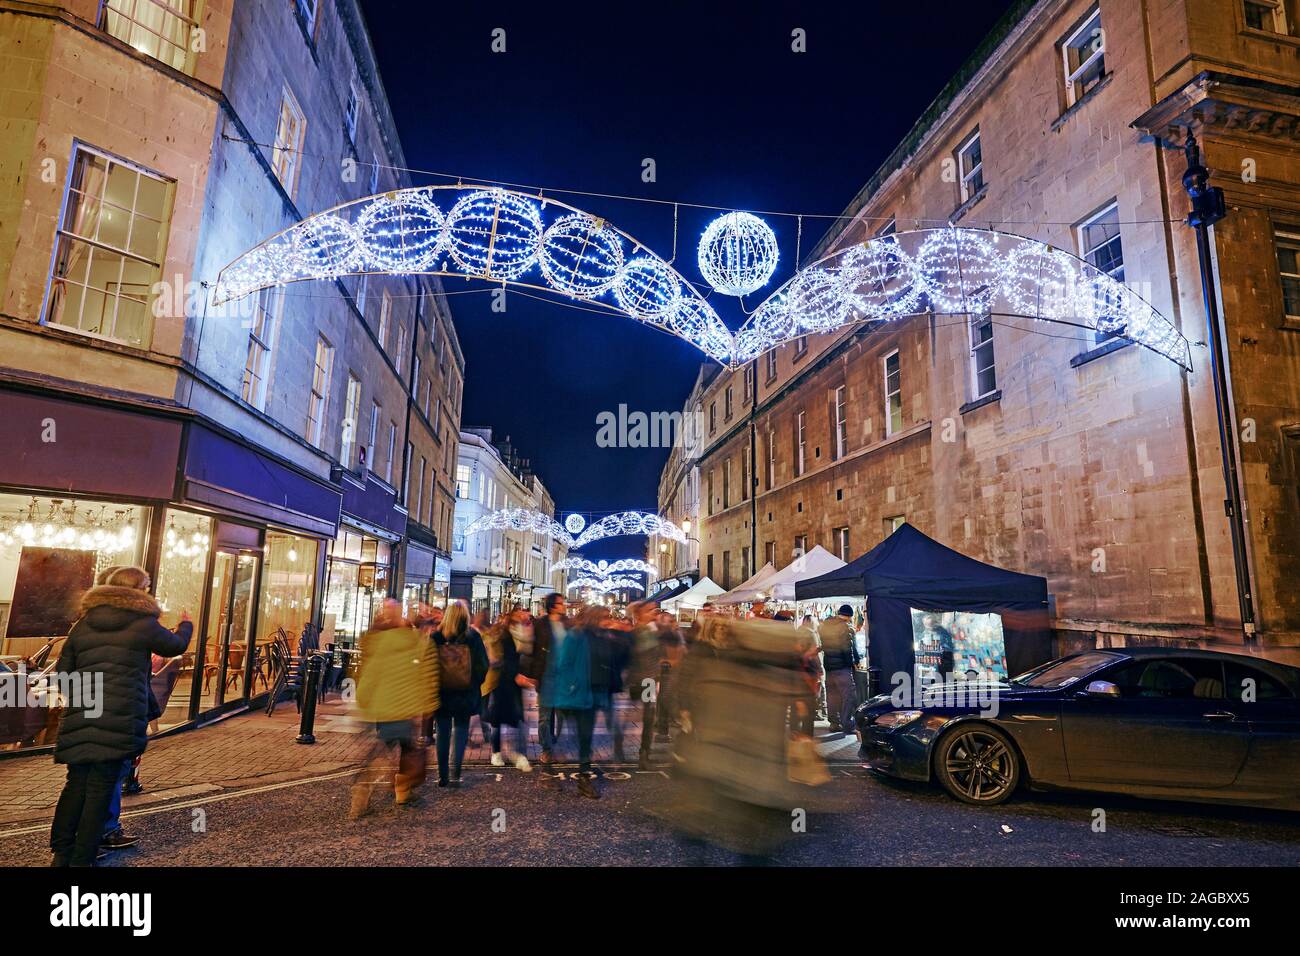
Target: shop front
(229,535)
(426,572)
(360,566)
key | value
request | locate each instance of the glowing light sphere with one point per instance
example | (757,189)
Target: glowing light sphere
(581,256)
(737,253)
(816,301)
(878,276)
(574,523)
(647,288)
(325,246)
(959,269)
(401,233)
(494,234)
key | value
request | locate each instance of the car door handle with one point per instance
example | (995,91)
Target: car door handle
(1219,715)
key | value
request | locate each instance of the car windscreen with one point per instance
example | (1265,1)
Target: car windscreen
(1063,672)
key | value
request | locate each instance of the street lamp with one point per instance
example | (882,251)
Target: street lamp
(1208,207)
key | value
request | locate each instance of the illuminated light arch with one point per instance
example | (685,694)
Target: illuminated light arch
(954,271)
(494,234)
(630,522)
(520,519)
(605,585)
(605,568)
(624,522)
(505,236)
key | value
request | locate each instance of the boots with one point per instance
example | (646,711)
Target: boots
(404,789)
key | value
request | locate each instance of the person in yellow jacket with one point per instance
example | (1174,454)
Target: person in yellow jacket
(397,685)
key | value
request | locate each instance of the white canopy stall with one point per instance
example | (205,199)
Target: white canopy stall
(747,592)
(818,561)
(694,597)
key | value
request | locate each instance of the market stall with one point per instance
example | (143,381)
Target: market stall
(933,612)
(748,591)
(691,600)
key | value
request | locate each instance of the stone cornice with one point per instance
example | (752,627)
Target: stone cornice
(1224,104)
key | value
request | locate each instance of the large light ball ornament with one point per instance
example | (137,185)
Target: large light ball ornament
(494,234)
(401,233)
(581,256)
(574,523)
(737,253)
(647,288)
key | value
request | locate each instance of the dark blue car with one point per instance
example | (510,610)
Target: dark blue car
(1157,722)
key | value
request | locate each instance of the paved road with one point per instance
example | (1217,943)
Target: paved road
(857,819)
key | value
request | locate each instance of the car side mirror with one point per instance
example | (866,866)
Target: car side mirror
(1102,688)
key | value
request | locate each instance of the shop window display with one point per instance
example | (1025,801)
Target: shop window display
(51,550)
(180,587)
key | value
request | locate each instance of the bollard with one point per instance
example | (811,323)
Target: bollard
(310,691)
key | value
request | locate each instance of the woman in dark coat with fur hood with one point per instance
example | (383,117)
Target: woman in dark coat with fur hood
(110,650)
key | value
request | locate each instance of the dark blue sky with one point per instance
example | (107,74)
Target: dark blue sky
(583,94)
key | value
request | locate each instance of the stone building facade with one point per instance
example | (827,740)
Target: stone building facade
(297,446)
(1045,448)
(494,570)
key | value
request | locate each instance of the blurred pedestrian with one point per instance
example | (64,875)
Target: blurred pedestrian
(561,670)
(462,666)
(397,684)
(609,652)
(644,669)
(503,700)
(105,726)
(840,653)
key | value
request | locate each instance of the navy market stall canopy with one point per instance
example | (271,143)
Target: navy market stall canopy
(911,570)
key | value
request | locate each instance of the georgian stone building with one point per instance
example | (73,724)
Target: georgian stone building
(297,446)
(1044,448)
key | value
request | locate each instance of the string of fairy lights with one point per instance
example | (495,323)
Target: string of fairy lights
(612,525)
(509,237)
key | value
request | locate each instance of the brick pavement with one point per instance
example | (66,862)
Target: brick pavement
(251,749)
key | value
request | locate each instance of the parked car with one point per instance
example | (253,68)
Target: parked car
(1156,722)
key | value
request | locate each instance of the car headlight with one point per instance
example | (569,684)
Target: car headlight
(897,718)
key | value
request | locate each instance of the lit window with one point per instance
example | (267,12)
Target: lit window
(287,151)
(1083,54)
(462,481)
(162,29)
(893,394)
(1100,244)
(318,405)
(970,166)
(984,376)
(1288,264)
(109,249)
(351,409)
(261,340)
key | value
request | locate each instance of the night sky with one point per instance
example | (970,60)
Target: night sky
(583,94)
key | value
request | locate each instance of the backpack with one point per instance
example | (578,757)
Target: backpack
(454,662)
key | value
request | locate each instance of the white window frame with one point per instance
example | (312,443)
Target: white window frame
(351,112)
(375,411)
(351,409)
(1280,25)
(975,322)
(319,403)
(841,421)
(1291,239)
(801,443)
(286,155)
(392,451)
(771,459)
(841,539)
(385,314)
(1093,62)
(262,332)
(890,427)
(464,475)
(771,364)
(115,15)
(96,247)
(1087,253)
(965,175)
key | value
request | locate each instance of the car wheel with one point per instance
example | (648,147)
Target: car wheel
(977,764)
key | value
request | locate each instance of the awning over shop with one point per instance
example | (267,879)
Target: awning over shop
(368,501)
(747,592)
(225,474)
(694,597)
(911,570)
